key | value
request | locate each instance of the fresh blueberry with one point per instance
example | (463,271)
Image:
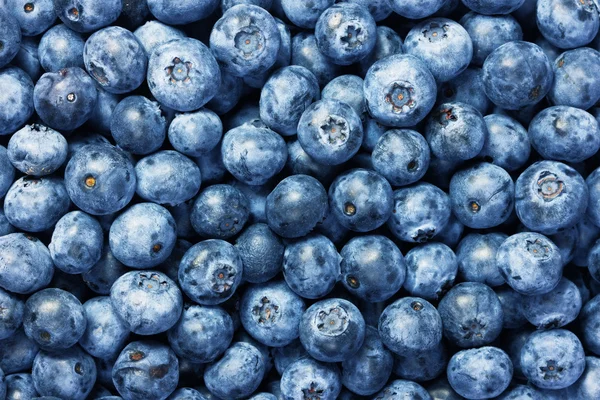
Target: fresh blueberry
(137,125)
(402,389)
(230,91)
(12,314)
(305,14)
(104,273)
(507,144)
(186,394)
(87,15)
(77,242)
(182,12)
(582,92)
(517,74)
(588,319)
(134,13)
(35,204)
(257,199)
(261,252)
(237,374)
(554,309)
(481,373)
(430,270)
(18,92)
(568,23)
(466,88)
(227,4)
(20,386)
(7,172)
(379,9)
(100,119)
(440,389)
(387,43)
(10,37)
(311,266)
(300,163)
(552,359)
(493,7)
(183,74)
(34,17)
(37,150)
(452,232)
(220,211)
(160,309)
(284,356)
(476,254)
(106,333)
(146,370)
(423,365)
(210,272)
(309,378)
(593,184)
(550,196)
(67,374)
(59,48)
(154,33)
(372,268)
(27,58)
(586,386)
(305,53)
(65,99)
(530,263)
(17,353)
(415,9)
(521,392)
(197,133)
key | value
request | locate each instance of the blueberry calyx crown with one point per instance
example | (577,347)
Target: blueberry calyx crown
(313,392)
(250,41)
(179,71)
(549,186)
(400,97)
(266,311)
(551,370)
(223,278)
(354,36)
(332,322)
(151,281)
(473,329)
(538,248)
(435,32)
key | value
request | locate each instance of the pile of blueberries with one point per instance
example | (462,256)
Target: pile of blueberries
(299,199)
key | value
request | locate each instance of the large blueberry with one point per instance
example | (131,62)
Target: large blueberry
(568,23)
(10,37)
(59,48)
(182,12)
(7,172)
(305,14)
(305,53)
(20,386)
(220,211)
(554,309)
(87,15)
(476,254)
(12,314)
(18,92)
(137,125)
(105,333)
(430,270)
(17,352)
(197,133)
(583,91)
(506,144)
(37,150)
(261,251)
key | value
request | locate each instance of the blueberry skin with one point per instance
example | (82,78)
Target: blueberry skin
(19,92)
(420,211)
(481,373)
(372,268)
(245,40)
(37,150)
(455,131)
(554,309)
(583,92)
(466,88)
(402,389)
(414,9)
(284,356)
(7,172)
(296,205)
(101,116)
(77,242)
(300,163)
(347,89)
(20,386)
(568,23)
(346,33)
(146,370)
(68,373)
(507,144)
(219,212)
(387,43)
(154,33)
(210,272)
(285,96)
(593,261)
(330,132)
(402,156)
(565,133)
(10,36)
(27,58)
(590,317)
(186,394)
(367,371)
(586,386)
(332,330)
(100,179)
(167,177)
(197,133)
(379,9)
(399,90)
(261,251)
(440,389)
(257,198)
(227,4)
(87,15)
(25,264)
(550,196)
(229,93)
(476,254)
(137,125)
(311,266)
(79,141)
(181,13)
(305,15)
(521,392)
(452,232)
(310,376)
(59,48)
(253,155)
(104,273)
(271,313)
(17,352)
(493,7)
(237,374)
(443,45)
(143,236)
(361,200)
(471,314)
(305,53)
(263,396)
(517,74)
(193,76)
(33,18)
(36,204)
(54,319)
(552,359)
(12,314)
(430,270)
(106,333)
(593,184)
(422,365)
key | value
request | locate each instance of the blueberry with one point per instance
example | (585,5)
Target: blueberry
(521,392)
(430,270)
(422,365)
(587,233)
(565,134)
(466,88)
(517,74)
(554,309)
(261,251)
(227,4)
(400,389)
(70,373)
(305,14)
(37,150)
(311,266)
(12,314)
(210,272)
(257,199)
(197,133)
(414,9)
(106,333)
(186,394)
(17,352)
(332,330)
(87,15)
(476,256)
(296,205)
(100,179)
(593,184)
(154,33)
(182,12)
(36,204)
(263,396)
(20,386)
(587,385)
(7,172)
(59,48)
(387,43)
(440,389)
(105,272)
(237,374)
(552,359)
(550,197)
(307,378)
(137,125)
(361,200)
(399,90)
(583,92)
(19,94)
(589,318)
(481,373)
(568,23)
(134,13)
(305,53)
(230,92)
(158,312)
(27,58)
(220,211)
(245,40)
(146,370)
(300,163)
(10,37)
(507,143)
(25,264)
(372,268)
(183,74)
(65,99)
(379,9)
